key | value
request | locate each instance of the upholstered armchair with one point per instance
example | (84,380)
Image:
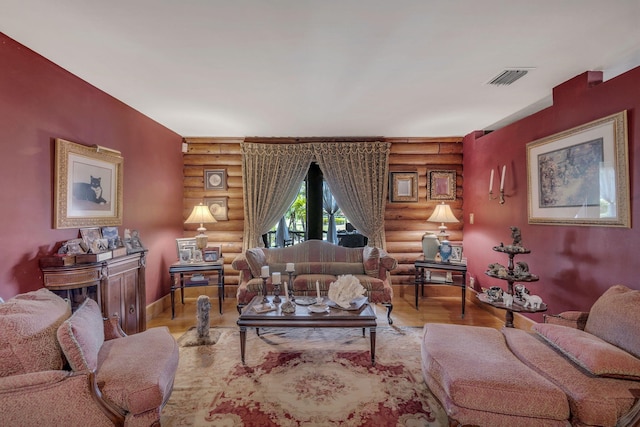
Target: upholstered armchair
(79,369)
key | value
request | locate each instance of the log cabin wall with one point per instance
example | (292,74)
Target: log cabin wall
(405,223)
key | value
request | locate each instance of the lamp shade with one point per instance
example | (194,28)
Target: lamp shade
(200,215)
(442,213)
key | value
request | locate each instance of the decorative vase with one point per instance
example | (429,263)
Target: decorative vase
(430,245)
(445,250)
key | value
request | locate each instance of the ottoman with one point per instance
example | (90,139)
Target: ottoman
(479,381)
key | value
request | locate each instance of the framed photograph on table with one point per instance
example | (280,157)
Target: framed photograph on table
(211,255)
(88,186)
(442,184)
(403,187)
(185,246)
(456,253)
(581,176)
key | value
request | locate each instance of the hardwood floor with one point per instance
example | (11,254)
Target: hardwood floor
(441,304)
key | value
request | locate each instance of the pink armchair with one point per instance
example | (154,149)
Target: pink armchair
(80,369)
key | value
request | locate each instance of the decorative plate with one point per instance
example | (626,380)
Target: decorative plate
(305,300)
(318,308)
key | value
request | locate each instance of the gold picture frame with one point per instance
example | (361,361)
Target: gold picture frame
(442,185)
(581,176)
(403,187)
(88,186)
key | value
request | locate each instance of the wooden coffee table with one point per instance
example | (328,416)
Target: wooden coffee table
(363,318)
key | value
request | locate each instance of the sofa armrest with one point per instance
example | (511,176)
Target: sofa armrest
(387,262)
(573,319)
(63,398)
(240,263)
(112,328)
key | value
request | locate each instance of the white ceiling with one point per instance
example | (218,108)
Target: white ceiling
(328,67)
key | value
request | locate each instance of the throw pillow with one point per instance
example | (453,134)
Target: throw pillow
(82,335)
(371,260)
(615,318)
(28,324)
(256,259)
(590,352)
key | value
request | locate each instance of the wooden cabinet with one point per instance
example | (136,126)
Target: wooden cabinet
(117,284)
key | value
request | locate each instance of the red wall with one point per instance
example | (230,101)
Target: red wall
(39,102)
(575,264)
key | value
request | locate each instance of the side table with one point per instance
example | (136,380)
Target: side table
(204,268)
(454,267)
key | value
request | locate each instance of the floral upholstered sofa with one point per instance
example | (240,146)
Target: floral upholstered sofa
(63,369)
(577,368)
(317,261)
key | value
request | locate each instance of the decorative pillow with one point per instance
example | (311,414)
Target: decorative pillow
(256,259)
(615,318)
(590,352)
(28,324)
(82,335)
(371,261)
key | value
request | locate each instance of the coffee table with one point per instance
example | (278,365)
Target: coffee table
(365,317)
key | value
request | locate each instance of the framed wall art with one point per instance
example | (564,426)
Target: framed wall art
(218,207)
(215,179)
(403,187)
(88,186)
(581,176)
(442,184)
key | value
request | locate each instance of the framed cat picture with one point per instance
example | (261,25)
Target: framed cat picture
(88,186)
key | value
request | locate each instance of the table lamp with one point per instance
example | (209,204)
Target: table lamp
(442,214)
(201,215)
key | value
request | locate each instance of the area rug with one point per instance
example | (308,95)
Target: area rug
(303,377)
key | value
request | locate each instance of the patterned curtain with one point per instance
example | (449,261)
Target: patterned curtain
(356,173)
(271,176)
(330,206)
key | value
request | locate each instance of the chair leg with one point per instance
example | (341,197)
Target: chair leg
(389,308)
(239,307)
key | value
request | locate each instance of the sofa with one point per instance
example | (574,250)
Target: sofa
(576,368)
(78,369)
(317,261)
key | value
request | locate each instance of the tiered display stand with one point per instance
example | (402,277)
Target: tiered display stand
(512,276)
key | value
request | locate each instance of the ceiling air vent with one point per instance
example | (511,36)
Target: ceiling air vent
(509,76)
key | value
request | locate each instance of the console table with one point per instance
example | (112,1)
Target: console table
(454,267)
(204,268)
(117,284)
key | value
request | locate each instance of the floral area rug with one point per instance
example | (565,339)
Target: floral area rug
(303,377)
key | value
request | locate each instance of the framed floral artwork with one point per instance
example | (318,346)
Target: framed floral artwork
(581,176)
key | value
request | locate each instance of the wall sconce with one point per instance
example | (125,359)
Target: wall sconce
(501,197)
(201,215)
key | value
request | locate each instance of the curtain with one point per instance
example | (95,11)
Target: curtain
(330,206)
(271,176)
(356,173)
(282,233)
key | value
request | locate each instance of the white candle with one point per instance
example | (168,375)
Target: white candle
(491,182)
(275,278)
(318,288)
(504,172)
(286,291)
(264,271)
(290,267)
